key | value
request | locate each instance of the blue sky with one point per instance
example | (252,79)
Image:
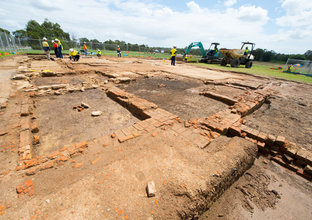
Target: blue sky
(281,25)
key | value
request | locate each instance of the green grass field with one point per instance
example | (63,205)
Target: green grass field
(261,69)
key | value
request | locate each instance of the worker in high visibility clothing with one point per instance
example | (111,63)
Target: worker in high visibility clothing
(46,47)
(173,55)
(55,48)
(85,48)
(118,51)
(73,54)
(59,48)
(99,53)
(246,51)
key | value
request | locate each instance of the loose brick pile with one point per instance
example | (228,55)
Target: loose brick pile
(250,102)
(282,151)
(26,188)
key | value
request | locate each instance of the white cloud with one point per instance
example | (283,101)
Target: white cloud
(145,22)
(229,3)
(193,6)
(250,14)
(295,24)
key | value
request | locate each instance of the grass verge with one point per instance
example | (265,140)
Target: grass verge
(260,69)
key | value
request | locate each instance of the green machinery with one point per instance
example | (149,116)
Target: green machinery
(211,56)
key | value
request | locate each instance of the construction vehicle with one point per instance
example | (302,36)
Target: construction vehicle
(236,57)
(211,56)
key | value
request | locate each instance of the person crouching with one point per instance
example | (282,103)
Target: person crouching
(73,54)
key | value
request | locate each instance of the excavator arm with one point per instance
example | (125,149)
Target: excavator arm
(196,44)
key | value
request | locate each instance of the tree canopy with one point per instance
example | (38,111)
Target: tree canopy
(47,29)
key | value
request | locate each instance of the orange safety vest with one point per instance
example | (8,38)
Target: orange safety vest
(54,45)
(84,47)
(118,48)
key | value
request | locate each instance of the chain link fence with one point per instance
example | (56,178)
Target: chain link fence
(13,45)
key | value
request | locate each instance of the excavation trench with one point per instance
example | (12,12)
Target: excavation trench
(60,124)
(178,96)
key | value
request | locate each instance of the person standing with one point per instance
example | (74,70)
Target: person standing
(55,48)
(85,48)
(59,48)
(46,47)
(118,51)
(173,54)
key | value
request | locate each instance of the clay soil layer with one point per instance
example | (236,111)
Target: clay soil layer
(159,123)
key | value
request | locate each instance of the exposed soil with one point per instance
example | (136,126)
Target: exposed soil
(289,117)
(266,191)
(54,111)
(225,90)
(108,179)
(73,80)
(179,96)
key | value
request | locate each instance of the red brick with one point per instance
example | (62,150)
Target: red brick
(29,183)
(54,155)
(62,158)
(214,135)
(25,110)
(138,127)
(280,141)
(25,138)
(83,144)
(36,139)
(31,163)
(25,123)
(125,138)
(235,131)
(119,134)
(20,189)
(32,171)
(48,165)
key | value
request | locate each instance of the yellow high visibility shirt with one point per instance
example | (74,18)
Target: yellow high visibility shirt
(60,44)
(74,53)
(45,44)
(99,52)
(173,52)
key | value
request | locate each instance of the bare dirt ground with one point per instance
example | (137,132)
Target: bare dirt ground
(266,191)
(80,126)
(61,163)
(177,95)
(288,113)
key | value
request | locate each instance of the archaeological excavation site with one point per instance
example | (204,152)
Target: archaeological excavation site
(136,138)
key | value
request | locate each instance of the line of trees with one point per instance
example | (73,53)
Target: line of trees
(272,56)
(51,30)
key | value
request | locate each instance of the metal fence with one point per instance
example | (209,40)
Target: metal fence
(8,43)
(294,66)
(11,44)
